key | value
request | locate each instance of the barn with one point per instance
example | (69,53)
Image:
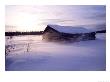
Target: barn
(67,33)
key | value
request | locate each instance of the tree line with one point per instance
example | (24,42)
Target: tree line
(23,33)
(102,31)
(35,33)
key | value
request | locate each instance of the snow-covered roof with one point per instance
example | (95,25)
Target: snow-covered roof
(70,29)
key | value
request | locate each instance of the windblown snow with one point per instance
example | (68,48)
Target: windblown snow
(30,53)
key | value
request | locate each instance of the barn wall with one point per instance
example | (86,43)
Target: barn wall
(51,35)
(79,37)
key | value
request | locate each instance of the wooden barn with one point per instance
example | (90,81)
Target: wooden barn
(67,33)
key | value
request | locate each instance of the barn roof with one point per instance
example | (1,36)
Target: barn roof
(69,29)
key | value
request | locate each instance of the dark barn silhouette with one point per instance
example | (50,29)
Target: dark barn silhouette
(67,33)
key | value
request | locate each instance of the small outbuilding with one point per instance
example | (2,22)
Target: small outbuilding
(67,33)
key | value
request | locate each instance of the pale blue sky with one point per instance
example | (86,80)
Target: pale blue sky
(34,18)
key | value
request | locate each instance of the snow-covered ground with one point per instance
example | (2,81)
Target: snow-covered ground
(30,53)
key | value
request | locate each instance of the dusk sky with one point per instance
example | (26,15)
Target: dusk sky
(35,18)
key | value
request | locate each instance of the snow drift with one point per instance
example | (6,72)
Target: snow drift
(48,56)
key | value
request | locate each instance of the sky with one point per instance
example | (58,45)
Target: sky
(37,17)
